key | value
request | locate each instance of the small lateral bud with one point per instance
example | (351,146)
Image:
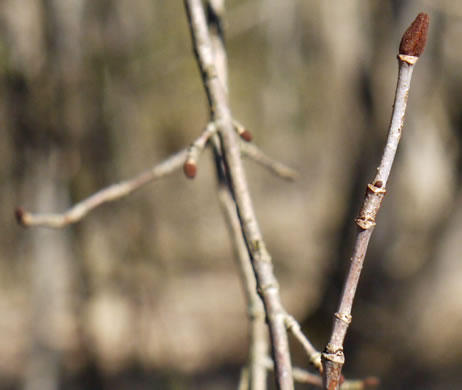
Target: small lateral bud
(245,135)
(19,214)
(415,37)
(190,169)
(242,131)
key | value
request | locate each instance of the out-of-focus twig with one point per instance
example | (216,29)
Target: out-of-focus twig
(108,194)
(255,372)
(313,354)
(195,149)
(258,344)
(299,375)
(261,260)
(411,47)
(252,152)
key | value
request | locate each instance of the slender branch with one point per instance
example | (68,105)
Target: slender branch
(411,48)
(258,345)
(261,260)
(244,379)
(196,148)
(255,154)
(299,375)
(258,341)
(108,194)
(313,354)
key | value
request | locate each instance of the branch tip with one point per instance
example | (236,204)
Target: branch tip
(242,131)
(190,169)
(415,37)
(245,135)
(19,215)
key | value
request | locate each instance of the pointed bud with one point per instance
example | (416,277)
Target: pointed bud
(415,37)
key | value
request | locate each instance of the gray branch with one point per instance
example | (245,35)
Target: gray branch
(261,260)
(333,357)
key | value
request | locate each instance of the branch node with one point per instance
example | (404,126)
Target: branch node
(373,200)
(346,318)
(334,354)
(270,286)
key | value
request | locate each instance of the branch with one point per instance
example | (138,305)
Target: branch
(313,354)
(256,374)
(261,260)
(108,194)
(411,48)
(258,345)
(196,148)
(254,153)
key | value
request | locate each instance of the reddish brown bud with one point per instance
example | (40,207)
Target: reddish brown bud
(19,214)
(415,37)
(190,169)
(245,135)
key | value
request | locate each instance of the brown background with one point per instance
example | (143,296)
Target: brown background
(144,293)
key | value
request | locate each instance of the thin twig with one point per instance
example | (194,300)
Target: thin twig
(258,344)
(313,354)
(108,194)
(195,149)
(256,373)
(244,379)
(411,48)
(261,260)
(255,154)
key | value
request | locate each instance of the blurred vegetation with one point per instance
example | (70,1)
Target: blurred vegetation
(144,293)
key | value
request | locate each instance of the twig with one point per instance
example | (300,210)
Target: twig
(299,374)
(256,373)
(261,260)
(313,354)
(258,345)
(244,379)
(255,154)
(242,131)
(108,194)
(196,148)
(411,48)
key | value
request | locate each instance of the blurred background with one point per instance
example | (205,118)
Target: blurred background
(144,293)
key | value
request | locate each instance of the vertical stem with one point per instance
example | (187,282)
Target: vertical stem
(261,260)
(333,357)
(258,344)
